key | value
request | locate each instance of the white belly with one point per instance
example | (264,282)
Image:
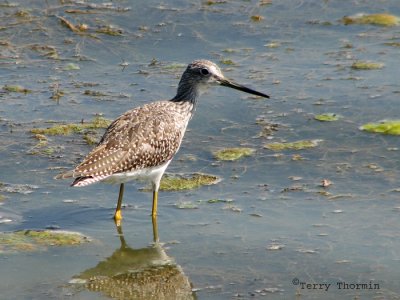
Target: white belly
(153,175)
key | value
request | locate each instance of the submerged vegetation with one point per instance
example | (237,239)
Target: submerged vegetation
(327,117)
(86,129)
(385,127)
(184,182)
(85,29)
(366,65)
(228,62)
(233,153)
(47,51)
(16,89)
(67,129)
(71,67)
(372,19)
(110,30)
(297,145)
(393,44)
(35,240)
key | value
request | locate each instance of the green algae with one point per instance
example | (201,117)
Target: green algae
(265,2)
(187,182)
(391,127)
(8,4)
(47,151)
(228,62)
(186,205)
(53,238)
(23,189)
(46,51)
(273,45)
(16,89)
(230,50)
(67,129)
(42,140)
(22,14)
(90,138)
(71,67)
(327,117)
(233,153)
(297,145)
(41,146)
(212,201)
(109,30)
(36,240)
(94,93)
(366,65)
(383,19)
(393,44)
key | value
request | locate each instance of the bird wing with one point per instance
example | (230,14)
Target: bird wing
(143,137)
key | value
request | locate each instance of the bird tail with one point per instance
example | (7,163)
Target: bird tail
(84,181)
(80,180)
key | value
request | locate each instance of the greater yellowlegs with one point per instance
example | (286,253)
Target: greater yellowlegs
(142,142)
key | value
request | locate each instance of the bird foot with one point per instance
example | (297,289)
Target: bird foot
(118,217)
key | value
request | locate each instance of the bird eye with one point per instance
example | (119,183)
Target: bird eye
(204,72)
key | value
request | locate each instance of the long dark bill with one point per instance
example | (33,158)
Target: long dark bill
(236,86)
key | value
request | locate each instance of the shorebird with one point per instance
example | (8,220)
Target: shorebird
(142,142)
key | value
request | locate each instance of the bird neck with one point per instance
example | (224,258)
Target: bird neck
(186,94)
(188,90)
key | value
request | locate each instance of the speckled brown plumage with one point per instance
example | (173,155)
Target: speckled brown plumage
(143,137)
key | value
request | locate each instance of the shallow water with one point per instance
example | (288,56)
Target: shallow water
(277,223)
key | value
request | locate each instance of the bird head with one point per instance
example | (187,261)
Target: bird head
(205,73)
(200,75)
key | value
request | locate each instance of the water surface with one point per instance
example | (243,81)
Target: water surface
(276,224)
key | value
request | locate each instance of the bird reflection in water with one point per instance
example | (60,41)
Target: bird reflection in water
(146,273)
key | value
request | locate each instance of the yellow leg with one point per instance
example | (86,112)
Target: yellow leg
(155,229)
(118,214)
(155,202)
